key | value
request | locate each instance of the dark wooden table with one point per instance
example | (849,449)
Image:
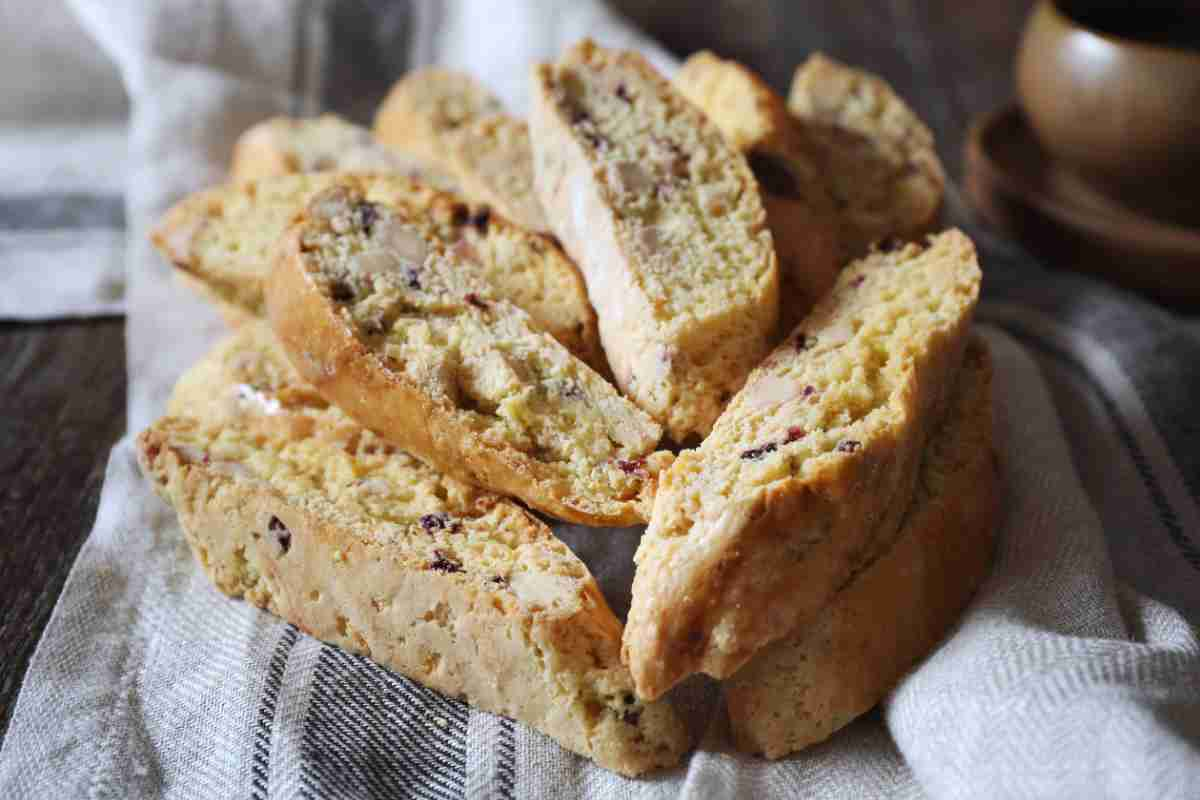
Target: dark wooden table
(62,384)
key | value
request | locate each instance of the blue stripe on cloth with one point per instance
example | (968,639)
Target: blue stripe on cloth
(261,769)
(1167,515)
(372,733)
(506,768)
(45,211)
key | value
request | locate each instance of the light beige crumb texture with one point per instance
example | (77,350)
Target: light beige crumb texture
(456,123)
(328,143)
(664,219)
(492,160)
(753,532)
(802,689)
(879,159)
(800,212)
(427,107)
(221,240)
(289,504)
(410,340)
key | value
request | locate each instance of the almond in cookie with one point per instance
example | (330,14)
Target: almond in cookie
(664,219)
(410,340)
(753,532)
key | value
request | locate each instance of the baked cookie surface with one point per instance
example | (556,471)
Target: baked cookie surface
(879,159)
(753,532)
(664,219)
(411,341)
(328,143)
(220,240)
(427,107)
(456,123)
(805,687)
(800,212)
(290,504)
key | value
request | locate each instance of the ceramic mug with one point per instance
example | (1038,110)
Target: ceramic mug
(1116,97)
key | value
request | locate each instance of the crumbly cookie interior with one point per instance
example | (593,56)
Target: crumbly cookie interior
(431,318)
(795,412)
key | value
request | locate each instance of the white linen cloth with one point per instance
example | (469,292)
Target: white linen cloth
(1060,681)
(62,167)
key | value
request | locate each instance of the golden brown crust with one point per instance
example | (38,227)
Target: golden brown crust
(755,530)
(878,158)
(799,209)
(802,689)
(325,347)
(527,635)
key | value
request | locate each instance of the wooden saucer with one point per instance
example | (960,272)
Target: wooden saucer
(1015,184)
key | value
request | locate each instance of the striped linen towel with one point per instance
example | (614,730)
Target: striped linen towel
(1075,672)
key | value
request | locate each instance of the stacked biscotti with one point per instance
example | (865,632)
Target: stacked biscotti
(682,303)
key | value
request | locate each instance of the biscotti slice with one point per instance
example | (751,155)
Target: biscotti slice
(221,239)
(664,218)
(802,689)
(426,108)
(366,548)
(877,155)
(755,530)
(492,160)
(453,121)
(800,213)
(412,342)
(328,143)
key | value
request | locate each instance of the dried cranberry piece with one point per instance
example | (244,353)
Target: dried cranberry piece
(630,716)
(848,446)
(772,174)
(341,291)
(578,116)
(623,93)
(481,219)
(367,215)
(795,433)
(595,140)
(443,564)
(412,278)
(439,522)
(756,453)
(499,580)
(476,300)
(283,537)
(631,467)
(809,391)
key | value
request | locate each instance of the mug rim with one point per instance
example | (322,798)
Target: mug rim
(1114,39)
